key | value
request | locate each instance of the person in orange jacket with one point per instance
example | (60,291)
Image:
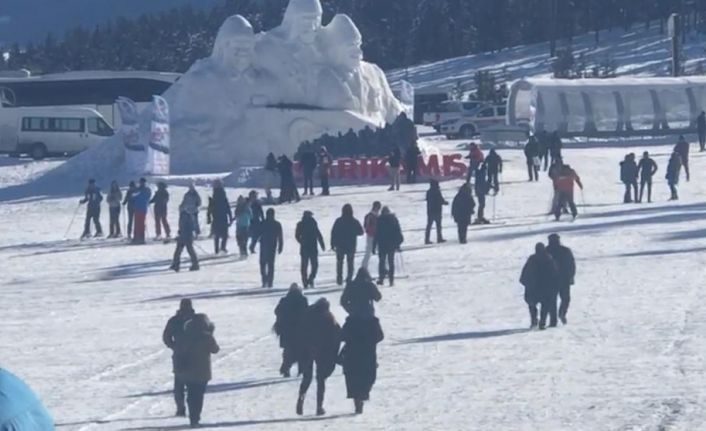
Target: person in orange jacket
(564,185)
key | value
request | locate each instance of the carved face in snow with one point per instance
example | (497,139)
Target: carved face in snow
(302,19)
(235,44)
(343,43)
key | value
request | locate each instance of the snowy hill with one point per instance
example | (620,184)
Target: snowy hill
(636,52)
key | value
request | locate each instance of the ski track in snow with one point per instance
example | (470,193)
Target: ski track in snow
(83,320)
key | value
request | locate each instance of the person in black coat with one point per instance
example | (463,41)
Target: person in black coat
(271,244)
(361,335)
(160,199)
(360,295)
(130,204)
(309,238)
(411,158)
(388,240)
(288,188)
(185,240)
(172,332)
(344,241)
(494,164)
(673,173)
(221,217)
(258,216)
(309,163)
(566,265)
(395,162)
(647,169)
(539,277)
(701,129)
(435,203)
(543,144)
(532,158)
(482,188)
(462,208)
(555,147)
(628,176)
(93,198)
(290,312)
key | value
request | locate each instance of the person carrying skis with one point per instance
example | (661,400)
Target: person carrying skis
(701,129)
(319,342)
(360,295)
(325,164)
(435,203)
(476,158)
(482,188)
(387,242)
(290,314)
(160,201)
(494,165)
(395,162)
(369,225)
(258,215)
(243,218)
(564,186)
(532,158)
(310,239)
(673,173)
(115,198)
(462,208)
(191,203)
(682,147)
(566,266)
(141,200)
(411,162)
(129,203)
(309,163)
(185,239)
(628,175)
(647,168)
(344,241)
(93,198)
(271,244)
(539,277)
(221,217)
(172,332)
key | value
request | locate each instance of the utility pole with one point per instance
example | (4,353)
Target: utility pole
(674,29)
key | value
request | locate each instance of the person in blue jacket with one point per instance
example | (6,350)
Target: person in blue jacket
(20,409)
(141,202)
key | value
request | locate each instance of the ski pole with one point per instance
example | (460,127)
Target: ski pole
(72,221)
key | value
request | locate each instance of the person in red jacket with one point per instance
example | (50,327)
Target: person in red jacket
(370,225)
(476,158)
(564,185)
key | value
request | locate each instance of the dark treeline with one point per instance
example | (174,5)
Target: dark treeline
(397,33)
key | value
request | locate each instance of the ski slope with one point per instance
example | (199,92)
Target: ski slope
(82,322)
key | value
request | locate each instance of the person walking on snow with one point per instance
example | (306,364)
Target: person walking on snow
(344,241)
(258,216)
(160,201)
(221,217)
(92,198)
(325,164)
(411,162)
(115,198)
(185,239)
(543,143)
(191,203)
(243,218)
(462,208)
(628,175)
(388,240)
(271,173)
(532,158)
(288,191)
(309,163)
(290,314)
(310,239)
(682,148)
(172,332)
(271,244)
(129,203)
(647,169)
(435,203)
(566,266)
(482,188)
(564,186)
(476,158)
(395,162)
(369,225)
(361,334)
(360,295)
(539,277)
(494,165)
(141,200)
(555,147)
(673,173)
(701,128)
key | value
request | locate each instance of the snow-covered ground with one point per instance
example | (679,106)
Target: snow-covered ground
(82,322)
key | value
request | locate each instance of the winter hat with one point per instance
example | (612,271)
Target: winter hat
(294,287)
(186,305)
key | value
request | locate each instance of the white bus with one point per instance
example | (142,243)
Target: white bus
(42,132)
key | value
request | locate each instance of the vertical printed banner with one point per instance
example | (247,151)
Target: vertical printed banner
(158,160)
(135,150)
(407,97)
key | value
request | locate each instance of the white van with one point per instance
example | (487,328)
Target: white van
(450,109)
(42,132)
(471,124)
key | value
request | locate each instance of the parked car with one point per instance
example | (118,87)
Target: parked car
(471,124)
(450,110)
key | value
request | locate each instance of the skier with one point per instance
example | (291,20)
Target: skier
(191,204)
(647,168)
(360,295)
(628,175)
(115,198)
(193,351)
(564,186)
(462,209)
(93,198)
(325,163)
(532,157)
(539,277)
(494,165)
(129,203)
(290,313)
(221,217)
(141,200)
(482,188)
(173,331)
(243,218)
(271,244)
(270,176)
(411,159)
(435,203)
(701,128)
(344,241)
(288,188)
(320,339)
(673,173)
(566,266)
(160,201)
(308,162)
(185,239)
(395,162)
(370,224)
(555,146)
(258,215)
(309,238)
(682,148)
(476,158)
(361,334)
(388,240)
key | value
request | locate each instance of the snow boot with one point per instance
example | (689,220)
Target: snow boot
(358,406)
(320,411)
(181,413)
(98,234)
(300,405)
(194,268)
